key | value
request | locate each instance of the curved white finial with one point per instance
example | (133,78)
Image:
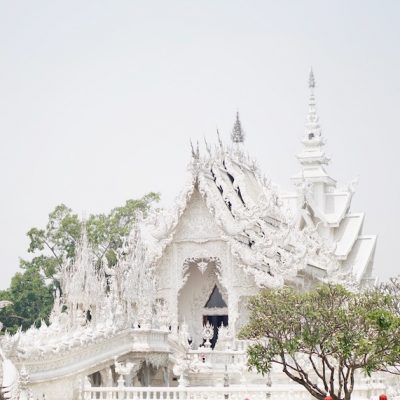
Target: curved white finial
(221,146)
(192,148)
(208,147)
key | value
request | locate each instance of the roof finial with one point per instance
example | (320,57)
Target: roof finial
(221,146)
(237,132)
(311,79)
(195,152)
(313,129)
(208,147)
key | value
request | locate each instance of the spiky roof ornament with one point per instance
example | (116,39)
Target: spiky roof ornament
(311,80)
(237,131)
(313,128)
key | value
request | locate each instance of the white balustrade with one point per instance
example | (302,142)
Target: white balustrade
(241,392)
(185,393)
(216,357)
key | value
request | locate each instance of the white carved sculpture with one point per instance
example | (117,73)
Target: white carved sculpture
(225,339)
(123,369)
(181,369)
(184,335)
(208,334)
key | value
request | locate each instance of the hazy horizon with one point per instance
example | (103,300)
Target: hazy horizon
(98,101)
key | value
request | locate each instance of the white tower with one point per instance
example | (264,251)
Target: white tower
(319,203)
(312,157)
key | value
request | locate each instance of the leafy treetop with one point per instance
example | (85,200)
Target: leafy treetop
(106,233)
(321,338)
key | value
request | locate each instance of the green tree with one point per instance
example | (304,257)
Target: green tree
(392,288)
(32,300)
(322,338)
(56,242)
(31,290)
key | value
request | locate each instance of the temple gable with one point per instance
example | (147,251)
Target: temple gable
(196,223)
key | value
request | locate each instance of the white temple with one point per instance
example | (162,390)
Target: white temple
(165,320)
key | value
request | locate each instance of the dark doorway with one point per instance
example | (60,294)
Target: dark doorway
(216,321)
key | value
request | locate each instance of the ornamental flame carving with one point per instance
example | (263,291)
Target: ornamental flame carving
(208,334)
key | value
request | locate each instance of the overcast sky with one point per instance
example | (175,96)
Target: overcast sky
(98,101)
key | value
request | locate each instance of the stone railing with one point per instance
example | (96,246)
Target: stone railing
(189,393)
(242,392)
(86,358)
(215,357)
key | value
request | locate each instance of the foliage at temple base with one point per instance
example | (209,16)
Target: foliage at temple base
(32,290)
(321,339)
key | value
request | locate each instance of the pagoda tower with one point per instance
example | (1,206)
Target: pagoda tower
(321,205)
(312,157)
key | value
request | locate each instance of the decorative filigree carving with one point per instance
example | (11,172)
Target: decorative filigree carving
(207,334)
(157,360)
(202,263)
(123,368)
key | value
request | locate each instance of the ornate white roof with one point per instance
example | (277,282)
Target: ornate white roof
(261,230)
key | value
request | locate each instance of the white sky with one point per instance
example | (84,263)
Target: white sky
(98,101)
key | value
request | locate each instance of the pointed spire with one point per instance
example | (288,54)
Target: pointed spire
(208,147)
(81,281)
(237,131)
(221,146)
(195,151)
(311,79)
(192,148)
(313,129)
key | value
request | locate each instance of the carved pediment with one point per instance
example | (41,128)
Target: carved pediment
(196,223)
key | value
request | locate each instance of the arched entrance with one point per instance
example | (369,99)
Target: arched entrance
(202,298)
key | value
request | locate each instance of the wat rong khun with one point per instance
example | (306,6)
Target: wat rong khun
(163,323)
